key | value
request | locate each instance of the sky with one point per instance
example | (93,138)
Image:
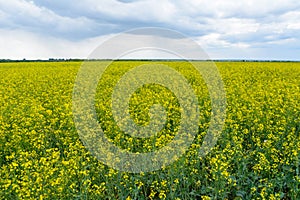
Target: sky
(244,29)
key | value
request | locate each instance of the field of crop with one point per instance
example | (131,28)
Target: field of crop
(256,157)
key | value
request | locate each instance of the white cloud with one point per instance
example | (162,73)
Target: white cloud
(231,25)
(26,15)
(16,44)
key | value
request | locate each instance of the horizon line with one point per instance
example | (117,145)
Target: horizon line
(146,59)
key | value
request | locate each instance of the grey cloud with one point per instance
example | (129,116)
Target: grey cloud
(240,24)
(128,1)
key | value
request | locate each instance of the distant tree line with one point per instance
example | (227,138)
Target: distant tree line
(42,60)
(81,60)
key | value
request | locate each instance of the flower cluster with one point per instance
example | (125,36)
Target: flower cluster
(257,155)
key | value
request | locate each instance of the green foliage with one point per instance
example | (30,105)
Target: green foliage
(256,157)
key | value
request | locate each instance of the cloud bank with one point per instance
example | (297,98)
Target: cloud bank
(230,29)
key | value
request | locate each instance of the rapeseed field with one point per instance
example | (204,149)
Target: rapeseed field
(257,155)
